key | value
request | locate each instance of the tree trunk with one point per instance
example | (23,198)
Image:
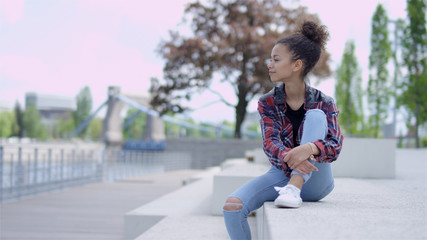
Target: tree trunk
(417,118)
(240,111)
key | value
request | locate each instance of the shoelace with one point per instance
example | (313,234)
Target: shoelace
(285,189)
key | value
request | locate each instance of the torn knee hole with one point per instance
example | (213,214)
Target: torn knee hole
(233,204)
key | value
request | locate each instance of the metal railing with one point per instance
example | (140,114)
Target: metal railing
(26,171)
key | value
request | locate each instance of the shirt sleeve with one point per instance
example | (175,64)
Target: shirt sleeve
(330,147)
(271,129)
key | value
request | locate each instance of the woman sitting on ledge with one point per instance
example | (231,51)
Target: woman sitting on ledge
(301,135)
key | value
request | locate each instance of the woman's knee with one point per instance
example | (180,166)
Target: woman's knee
(315,196)
(316,115)
(233,204)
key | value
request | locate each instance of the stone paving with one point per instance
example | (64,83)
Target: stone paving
(357,209)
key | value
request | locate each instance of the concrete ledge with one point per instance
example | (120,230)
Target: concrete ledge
(188,228)
(359,158)
(192,199)
(257,155)
(235,173)
(356,209)
(366,158)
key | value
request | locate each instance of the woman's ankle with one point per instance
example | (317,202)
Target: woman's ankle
(297,181)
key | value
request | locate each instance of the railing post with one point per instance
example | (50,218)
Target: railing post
(1,174)
(82,155)
(36,157)
(62,169)
(49,166)
(73,162)
(19,172)
(11,182)
(28,177)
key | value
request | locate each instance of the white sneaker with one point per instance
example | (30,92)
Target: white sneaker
(289,196)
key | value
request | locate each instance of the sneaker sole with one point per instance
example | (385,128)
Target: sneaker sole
(279,203)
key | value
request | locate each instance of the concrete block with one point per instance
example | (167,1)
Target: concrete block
(260,157)
(232,177)
(193,199)
(366,158)
(186,228)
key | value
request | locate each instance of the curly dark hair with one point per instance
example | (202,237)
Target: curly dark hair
(307,44)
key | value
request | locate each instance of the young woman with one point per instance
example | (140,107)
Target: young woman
(301,135)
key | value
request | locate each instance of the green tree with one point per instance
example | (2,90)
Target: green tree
(378,86)
(226,134)
(192,132)
(348,92)
(95,128)
(231,40)
(84,107)
(18,127)
(210,133)
(135,122)
(33,127)
(414,54)
(65,127)
(6,124)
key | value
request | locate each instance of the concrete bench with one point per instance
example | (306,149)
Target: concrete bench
(192,199)
(234,173)
(366,158)
(257,156)
(356,209)
(359,158)
(188,228)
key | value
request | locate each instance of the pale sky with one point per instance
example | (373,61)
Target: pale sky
(58,47)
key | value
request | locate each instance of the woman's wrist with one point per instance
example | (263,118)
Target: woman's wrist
(314,149)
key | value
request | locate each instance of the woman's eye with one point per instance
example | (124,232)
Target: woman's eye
(268,61)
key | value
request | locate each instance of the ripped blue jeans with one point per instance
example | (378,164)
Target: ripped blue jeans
(254,193)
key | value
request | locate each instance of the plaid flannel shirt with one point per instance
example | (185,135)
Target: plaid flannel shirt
(276,128)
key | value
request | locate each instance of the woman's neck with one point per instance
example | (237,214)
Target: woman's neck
(295,91)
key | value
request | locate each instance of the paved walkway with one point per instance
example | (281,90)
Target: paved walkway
(96,211)
(91,212)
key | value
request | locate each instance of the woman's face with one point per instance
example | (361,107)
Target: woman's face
(281,67)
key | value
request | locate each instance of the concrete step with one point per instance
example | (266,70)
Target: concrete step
(192,199)
(356,209)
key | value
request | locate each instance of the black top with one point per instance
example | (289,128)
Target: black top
(296,118)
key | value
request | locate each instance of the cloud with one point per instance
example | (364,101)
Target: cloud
(23,69)
(157,14)
(12,10)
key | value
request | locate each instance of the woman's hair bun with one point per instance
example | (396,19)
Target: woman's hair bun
(314,32)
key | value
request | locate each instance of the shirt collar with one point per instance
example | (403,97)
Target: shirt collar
(280,96)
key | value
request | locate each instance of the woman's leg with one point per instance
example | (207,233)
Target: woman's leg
(248,198)
(316,184)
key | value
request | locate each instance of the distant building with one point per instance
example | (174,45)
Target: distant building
(52,107)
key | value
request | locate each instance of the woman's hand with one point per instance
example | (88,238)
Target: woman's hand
(298,155)
(306,167)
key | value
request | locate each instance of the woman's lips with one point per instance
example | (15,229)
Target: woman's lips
(271,73)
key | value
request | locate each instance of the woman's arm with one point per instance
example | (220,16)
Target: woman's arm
(271,130)
(330,148)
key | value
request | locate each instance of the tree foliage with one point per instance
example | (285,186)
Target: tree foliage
(348,92)
(414,54)
(136,122)
(6,124)
(378,86)
(231,40)
(95,128)
(33,127)
(65,126)
(83,109)
(18,126)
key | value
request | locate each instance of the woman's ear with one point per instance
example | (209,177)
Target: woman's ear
(297,65)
